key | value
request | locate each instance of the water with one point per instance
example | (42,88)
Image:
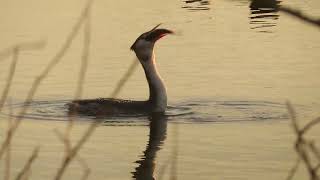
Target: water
(228,71)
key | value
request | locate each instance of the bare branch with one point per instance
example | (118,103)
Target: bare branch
(302,145)
(310,125)
(124,78)
(86,168)
(84,65)
(67,144)
(72,152)
(294,169)
(22,46)
(27,166)
(65,140)
(68,158)
(15,51)
(315,151)
(12,71)
(298,14)
(85,56)
(8,152)
(293,117)
(54,61)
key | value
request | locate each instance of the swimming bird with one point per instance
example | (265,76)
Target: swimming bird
(157,102)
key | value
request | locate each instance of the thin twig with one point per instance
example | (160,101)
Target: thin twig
(64,139)
(27,166)
(311,124)
(72,152)
(294,169)
(124,78)
(85,56)
(85,166)
(82,162)
(12,71)
(302,145)
(293,117)
(8,152)
(15,51)
(22,46)
(84,65)
(68,158)
(301,149)
(315,150)
(298,14)
(53,62)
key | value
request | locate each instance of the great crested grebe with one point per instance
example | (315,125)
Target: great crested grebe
(157,102)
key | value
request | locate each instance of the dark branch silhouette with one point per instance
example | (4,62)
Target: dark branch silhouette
(300,15)
(304,147)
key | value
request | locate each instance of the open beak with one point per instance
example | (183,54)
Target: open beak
(157,34)
(153,35)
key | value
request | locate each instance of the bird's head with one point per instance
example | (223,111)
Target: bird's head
(143,46)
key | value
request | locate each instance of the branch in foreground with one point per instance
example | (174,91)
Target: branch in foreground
(14,51)
(71,152)
(304,147)
(298,14)
(64,139)
(294,169)
(53,62)
(27,166)
(8,151)
(12,71)
(22,46)
(124,78)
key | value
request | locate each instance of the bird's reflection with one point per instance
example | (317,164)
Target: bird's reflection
(264,14)
(158,131)
(196,5)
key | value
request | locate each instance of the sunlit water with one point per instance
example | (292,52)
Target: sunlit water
(229,71)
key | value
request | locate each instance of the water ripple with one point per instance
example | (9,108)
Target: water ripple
(231,111)
(183,112)
(196,5)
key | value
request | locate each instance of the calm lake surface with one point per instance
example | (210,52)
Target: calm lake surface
(229,71)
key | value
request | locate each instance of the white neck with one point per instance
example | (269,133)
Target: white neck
(157,89)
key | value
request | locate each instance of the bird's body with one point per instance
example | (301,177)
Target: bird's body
(157,102)
(109,106)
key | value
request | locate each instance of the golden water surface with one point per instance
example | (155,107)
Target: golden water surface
(228,76)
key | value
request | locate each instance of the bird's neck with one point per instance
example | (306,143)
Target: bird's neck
(157,89)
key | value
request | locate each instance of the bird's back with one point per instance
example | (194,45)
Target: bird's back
(108,107)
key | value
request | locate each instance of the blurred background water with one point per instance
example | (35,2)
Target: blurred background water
(228,71)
